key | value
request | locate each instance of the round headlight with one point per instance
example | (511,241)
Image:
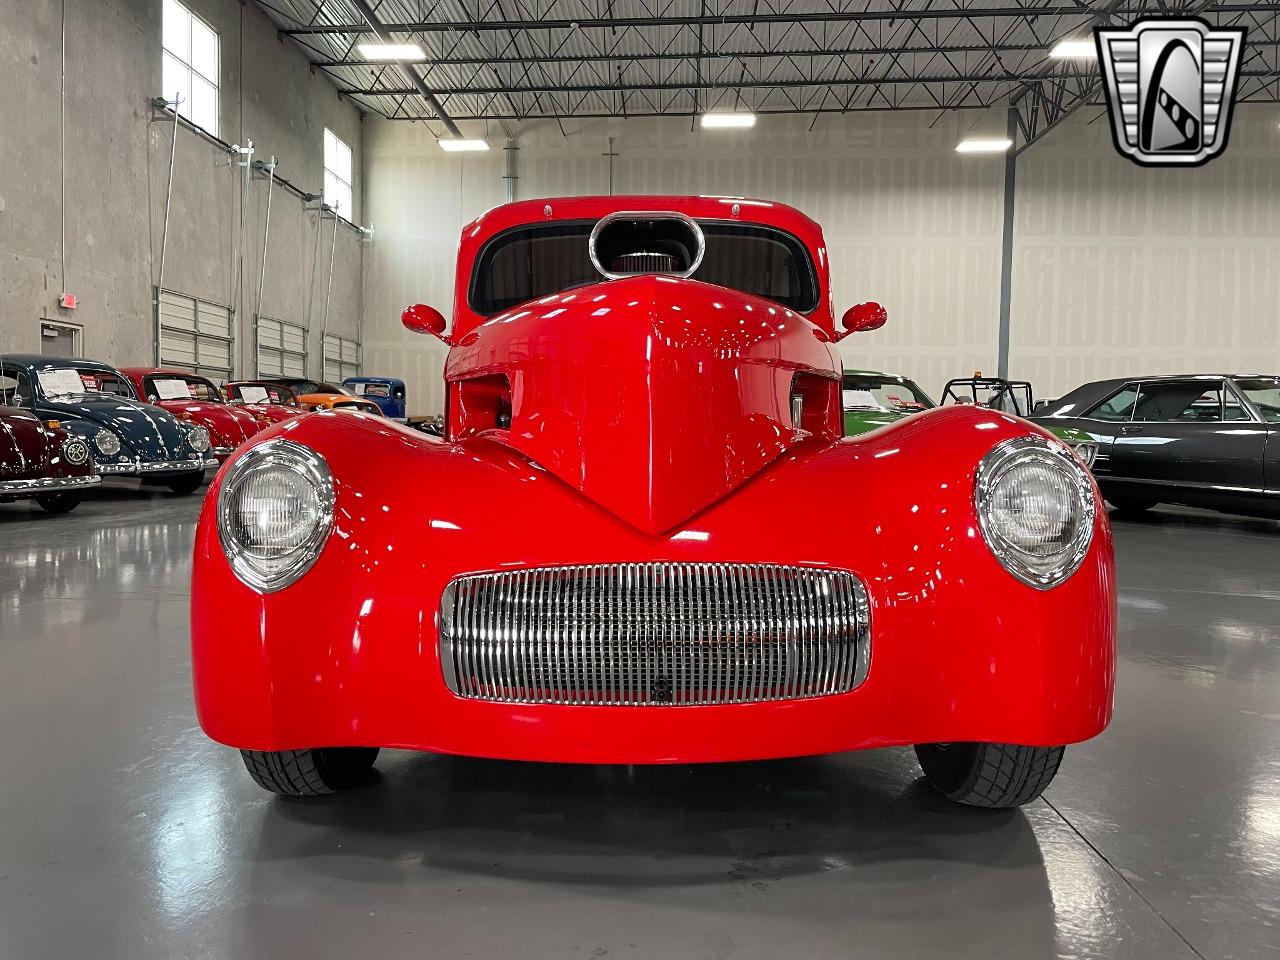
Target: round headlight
(75,451)
(1087,451)
(198,437)
(1036,509)
(275,511)
(108,443)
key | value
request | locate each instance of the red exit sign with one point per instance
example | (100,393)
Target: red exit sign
(68,301)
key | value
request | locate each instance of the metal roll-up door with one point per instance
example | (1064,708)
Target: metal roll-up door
(341,358)
(281,348)
(195,335)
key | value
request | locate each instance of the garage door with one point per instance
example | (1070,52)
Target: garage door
(281,348)
(341,358)
(195,335)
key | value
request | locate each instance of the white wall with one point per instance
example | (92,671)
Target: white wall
(1121,270)
(1116,270)
(907,224)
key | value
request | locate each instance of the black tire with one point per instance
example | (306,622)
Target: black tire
(59,502)
(989,774)
(1131,504)
(309,773)
(187,483)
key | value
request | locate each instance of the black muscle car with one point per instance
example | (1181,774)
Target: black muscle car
(1203,440)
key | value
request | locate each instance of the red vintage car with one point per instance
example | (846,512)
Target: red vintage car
(268,401)
(40,460)
(194,399)
(644,539)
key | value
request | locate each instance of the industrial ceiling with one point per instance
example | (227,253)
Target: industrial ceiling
(513,60)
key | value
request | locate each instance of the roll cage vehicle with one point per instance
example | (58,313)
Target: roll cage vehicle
(39,460)
(96,402)
(643,537)
(1015,397)
(1201,440)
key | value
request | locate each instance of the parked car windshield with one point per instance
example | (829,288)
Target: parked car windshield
(889,394)
(260,393)
(1264,392)
(531,262)
(171,386)
(74,381)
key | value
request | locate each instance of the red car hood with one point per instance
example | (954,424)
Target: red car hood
(653,396)
(227,425)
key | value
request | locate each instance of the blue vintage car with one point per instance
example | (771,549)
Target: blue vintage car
(387,392)
(97,403)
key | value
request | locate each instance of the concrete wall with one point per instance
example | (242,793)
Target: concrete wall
(116,173)
(1117,269)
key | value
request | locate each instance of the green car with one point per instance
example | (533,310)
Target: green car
(871,400)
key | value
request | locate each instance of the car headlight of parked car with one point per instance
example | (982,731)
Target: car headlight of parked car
(108,443)
(1036,509)
(198,437)
(275,511)
(75,451)
(1087,451)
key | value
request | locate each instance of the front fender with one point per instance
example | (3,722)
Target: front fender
(349,654)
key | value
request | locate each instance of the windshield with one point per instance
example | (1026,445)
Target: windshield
(531,262)
(887,394)
(1264,392)
(1007,396)
(71,381)
(260,393)
(168,386)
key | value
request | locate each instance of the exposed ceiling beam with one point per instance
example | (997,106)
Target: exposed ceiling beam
(749,19)
(383,32)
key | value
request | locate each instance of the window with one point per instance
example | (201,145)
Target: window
(526,263)
(896,394)
(1186,401)
(1118,407)
(15,387)
(191,65)
(1264,393)
(337,174)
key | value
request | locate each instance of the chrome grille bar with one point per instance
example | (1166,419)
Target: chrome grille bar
(655,634)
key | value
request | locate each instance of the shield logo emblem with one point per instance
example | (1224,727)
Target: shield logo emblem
(1170,85)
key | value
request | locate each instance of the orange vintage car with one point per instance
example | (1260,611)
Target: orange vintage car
(316,395)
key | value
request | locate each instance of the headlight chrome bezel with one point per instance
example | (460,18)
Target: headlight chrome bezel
(1055,454)
(273,455)
(107,443)
(198,437)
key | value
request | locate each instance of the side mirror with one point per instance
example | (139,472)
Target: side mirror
(863,317)
(423,319)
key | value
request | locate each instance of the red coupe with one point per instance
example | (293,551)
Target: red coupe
(194,399)
(644,539)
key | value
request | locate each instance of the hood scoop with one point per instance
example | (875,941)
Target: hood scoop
(653,396)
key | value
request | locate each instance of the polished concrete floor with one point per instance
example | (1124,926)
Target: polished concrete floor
(125,833)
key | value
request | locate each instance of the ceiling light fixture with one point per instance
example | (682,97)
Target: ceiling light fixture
(391,51)
(462,146)
(983,146)
(1074,50)
(727,119)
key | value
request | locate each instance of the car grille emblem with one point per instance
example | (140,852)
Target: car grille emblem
(1170,85)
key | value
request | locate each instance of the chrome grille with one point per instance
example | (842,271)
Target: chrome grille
(655,634)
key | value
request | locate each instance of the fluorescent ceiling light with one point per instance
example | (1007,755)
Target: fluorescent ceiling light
(391,51)
(716,120)
(983,146)
(1074,50)
(462,146)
